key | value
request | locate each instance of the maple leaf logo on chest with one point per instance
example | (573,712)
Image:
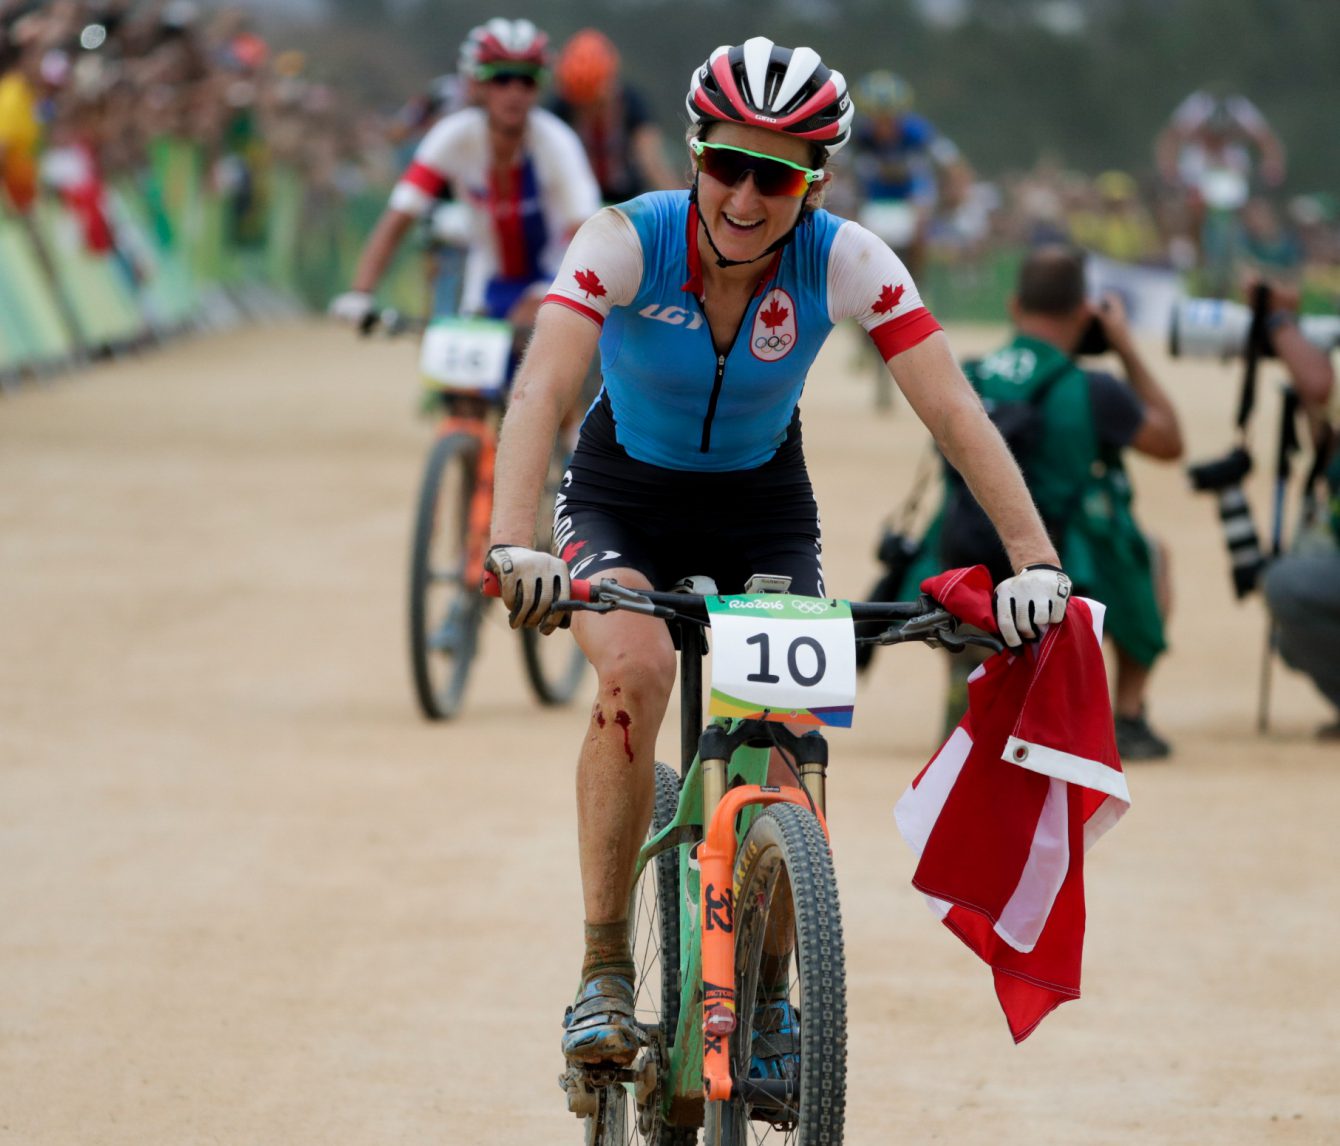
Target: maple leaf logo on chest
(888,298)
(774,315)
(590,282)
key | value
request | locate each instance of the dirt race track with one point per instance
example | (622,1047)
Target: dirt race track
(248,897)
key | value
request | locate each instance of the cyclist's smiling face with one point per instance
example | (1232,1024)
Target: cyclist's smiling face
(743,222)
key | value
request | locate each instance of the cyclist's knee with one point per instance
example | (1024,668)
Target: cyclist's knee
(638,675)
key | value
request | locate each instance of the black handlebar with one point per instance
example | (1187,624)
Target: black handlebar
(390,322)
(922,620)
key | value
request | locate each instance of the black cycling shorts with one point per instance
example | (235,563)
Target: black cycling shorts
(616,512)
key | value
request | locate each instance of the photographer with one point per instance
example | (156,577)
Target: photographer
(1073,466)
(1303,587)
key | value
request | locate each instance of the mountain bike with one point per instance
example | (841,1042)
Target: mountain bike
(464,363)
(734,912)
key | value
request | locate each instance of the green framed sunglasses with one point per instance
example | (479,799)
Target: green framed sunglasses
(772,176)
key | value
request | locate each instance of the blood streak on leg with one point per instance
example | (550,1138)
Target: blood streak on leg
(624,721)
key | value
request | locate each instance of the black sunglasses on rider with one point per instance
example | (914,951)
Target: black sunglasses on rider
(772,176)
(502,78)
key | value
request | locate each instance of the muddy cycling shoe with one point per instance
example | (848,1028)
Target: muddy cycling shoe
(775,1052)
(599,1026)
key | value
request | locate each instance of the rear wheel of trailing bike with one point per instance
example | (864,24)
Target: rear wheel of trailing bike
(653,924)
(444,612)
(786,898)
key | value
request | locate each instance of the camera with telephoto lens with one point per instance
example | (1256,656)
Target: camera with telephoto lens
(1223,477)
(1217,328)
(1093,340)
(897,551)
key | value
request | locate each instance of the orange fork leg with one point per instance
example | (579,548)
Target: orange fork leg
(716,858)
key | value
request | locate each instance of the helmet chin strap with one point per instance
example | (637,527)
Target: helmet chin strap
(722,261)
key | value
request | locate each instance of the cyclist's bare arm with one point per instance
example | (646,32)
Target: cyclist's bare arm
(1160,433)
(1272,155)
(936,389)
(1166,146)
(380,248)
(547,384)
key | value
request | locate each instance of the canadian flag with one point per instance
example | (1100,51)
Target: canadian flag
(1002,815)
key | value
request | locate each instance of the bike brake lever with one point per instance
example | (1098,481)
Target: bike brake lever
(984,641)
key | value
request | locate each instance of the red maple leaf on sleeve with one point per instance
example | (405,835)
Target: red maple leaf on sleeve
(888,298)
(774,316)
(590,282)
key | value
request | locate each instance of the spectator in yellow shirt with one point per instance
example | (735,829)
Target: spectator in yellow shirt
(20,128)
(1117,224)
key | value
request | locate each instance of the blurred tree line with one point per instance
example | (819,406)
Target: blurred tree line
(1088,82)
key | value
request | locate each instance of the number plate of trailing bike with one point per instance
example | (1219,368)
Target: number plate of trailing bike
(784,658)
(467,354)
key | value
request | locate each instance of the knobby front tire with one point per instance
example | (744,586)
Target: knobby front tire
(444,612)
(653,922)
(785,870)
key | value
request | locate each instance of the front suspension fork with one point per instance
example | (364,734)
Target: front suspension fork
(716,858)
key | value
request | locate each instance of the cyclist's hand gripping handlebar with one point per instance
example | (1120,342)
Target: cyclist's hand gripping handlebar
(581,590)
(530,581)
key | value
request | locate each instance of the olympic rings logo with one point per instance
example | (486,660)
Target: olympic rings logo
(810,606)
(773,342)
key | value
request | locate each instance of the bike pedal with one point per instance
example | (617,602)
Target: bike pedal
(582,1095)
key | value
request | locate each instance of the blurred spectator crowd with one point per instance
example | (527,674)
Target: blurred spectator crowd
(102,93)
(119,74)
(90,88)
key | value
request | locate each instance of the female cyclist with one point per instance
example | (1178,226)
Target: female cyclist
(709,306)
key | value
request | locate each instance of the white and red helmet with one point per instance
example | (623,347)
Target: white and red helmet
(788,90)
(501,43)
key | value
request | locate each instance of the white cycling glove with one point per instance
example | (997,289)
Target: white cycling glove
(453,224)
(531,581)
(353,307)
(1028,602)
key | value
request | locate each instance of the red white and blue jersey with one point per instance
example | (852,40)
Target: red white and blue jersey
(634,270)
(523,217)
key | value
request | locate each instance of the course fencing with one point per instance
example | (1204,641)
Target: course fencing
(180,262)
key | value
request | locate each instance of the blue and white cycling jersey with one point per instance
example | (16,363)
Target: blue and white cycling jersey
(902,167)
(634,270)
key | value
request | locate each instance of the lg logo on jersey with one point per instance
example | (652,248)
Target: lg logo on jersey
(774,328)
(673,315)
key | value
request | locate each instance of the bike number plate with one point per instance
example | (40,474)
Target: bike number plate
(466,354)
(783,658)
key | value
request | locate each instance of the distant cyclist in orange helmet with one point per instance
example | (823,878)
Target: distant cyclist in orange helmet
(622,140)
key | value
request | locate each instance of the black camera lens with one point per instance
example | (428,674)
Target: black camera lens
(1220,473)
(1244,547)
(1223,478)
(1094,339)
(897,550)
